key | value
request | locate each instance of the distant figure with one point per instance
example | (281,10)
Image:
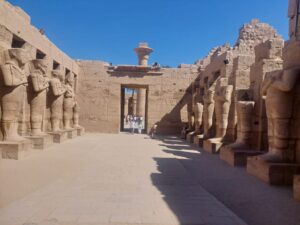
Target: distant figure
(153,130)
(134,124)
(130,121)
(184,132)
(156,65)
(140,124)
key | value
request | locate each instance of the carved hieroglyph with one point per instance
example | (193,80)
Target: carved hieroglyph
(278,91)
(58,91)
(222,99)
(69,101)
(38,86)
(14,78)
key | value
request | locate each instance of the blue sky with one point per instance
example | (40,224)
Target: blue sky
(179,31)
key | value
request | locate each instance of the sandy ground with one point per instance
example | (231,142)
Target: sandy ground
(131,179)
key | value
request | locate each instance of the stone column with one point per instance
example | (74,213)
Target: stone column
(141,102)
(143,52)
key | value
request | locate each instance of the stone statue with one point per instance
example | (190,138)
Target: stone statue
(58,91)
(198,112)
(14,79)
(69,101)
(39,83)
(222,99)
(208,110)
(76,110)
(277,89)
(245,111)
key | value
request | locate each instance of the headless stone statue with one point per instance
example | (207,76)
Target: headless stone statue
(14,79)
(278,91)
(222,99)
(69,101)
(245,110)
(58,91)
(39,85)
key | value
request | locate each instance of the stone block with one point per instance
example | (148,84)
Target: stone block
(272,173)
(72,133)
(297,187)
(80,131)
(212,145)
(15,150)
(41,142)
(59,136)
(190,137)
(236,157)
(198,140)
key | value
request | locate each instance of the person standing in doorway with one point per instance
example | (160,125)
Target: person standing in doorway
(140,124)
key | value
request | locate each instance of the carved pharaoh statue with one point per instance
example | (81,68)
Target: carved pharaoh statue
(222,99)
(278,90)
(69,101)
(198,112)
(208,109)
(39,85)
(14,79)
(58,91)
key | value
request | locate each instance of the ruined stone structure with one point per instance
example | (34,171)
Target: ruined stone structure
(27,58)
(241,101)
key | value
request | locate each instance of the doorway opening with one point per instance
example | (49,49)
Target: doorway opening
(134,105)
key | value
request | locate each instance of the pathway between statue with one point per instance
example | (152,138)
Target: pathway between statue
(125,179)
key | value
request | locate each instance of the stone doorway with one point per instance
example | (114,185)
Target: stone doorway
(134,103)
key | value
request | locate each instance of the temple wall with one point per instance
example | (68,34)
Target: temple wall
(99,95)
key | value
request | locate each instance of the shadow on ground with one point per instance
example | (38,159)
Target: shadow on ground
(181,179)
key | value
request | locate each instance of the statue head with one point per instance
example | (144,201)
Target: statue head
(40,64)
(21,55)
(70,79)
(58,74)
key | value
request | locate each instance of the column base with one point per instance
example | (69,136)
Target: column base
(41,142)
(297,187)
(272,173)
(15,149)
(213,145)
(80,131)
(59,136)
(235,157)
(71,133)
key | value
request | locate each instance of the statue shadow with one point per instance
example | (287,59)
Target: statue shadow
(189,173)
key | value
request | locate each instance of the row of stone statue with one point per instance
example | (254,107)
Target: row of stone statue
(280,91)
(15,83)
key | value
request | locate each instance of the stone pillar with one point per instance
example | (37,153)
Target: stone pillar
(141,102)
(143,52)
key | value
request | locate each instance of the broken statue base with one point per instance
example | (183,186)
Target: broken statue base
(213,145)
(15,150)
(198,140)
(236,157)
(59,136)
(272,173)
(41,142)
(80,131)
